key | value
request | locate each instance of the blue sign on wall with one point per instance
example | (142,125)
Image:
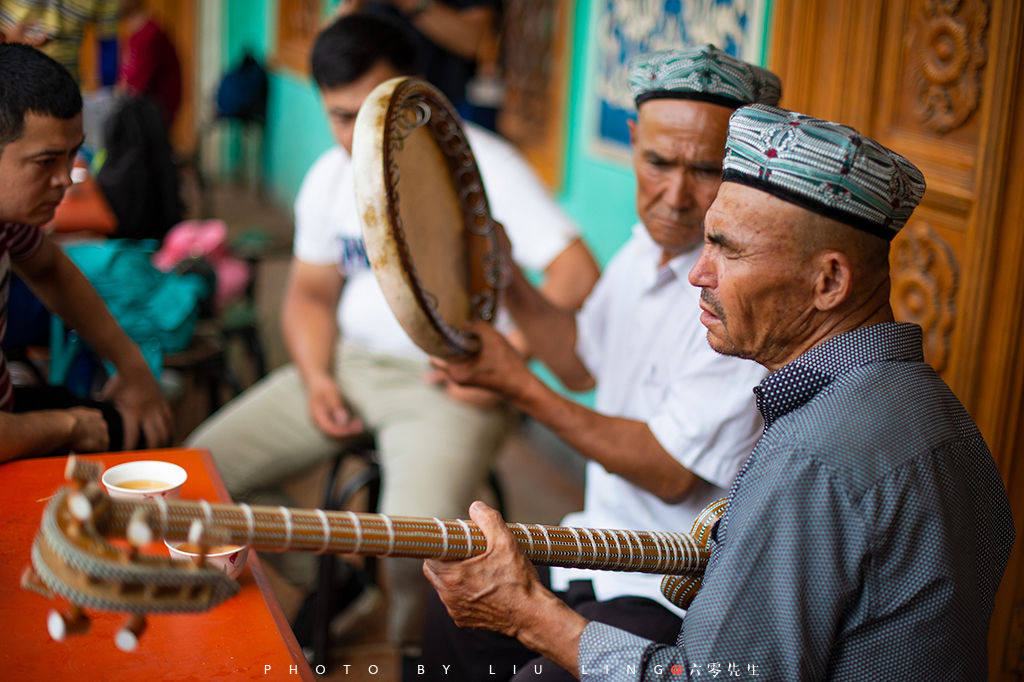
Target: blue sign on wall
(627,28)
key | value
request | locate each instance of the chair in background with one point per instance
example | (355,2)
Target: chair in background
(240,109)
(230,317)
(337,496)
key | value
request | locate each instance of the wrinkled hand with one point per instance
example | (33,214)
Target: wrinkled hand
(497,367)
(329,411)
(143,408)
(492,591)
(89,430)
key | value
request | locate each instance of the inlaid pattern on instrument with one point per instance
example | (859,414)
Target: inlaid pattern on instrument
(281,529)
(681,589)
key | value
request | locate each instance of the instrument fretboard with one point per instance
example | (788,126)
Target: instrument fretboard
(283,529)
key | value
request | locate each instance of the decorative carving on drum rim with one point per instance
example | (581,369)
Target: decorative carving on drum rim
(410,108)
(951,53)
(925,279)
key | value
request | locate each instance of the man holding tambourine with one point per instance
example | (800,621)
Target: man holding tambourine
(436,440)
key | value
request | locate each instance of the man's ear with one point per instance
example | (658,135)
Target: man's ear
(833,280)
(631,124)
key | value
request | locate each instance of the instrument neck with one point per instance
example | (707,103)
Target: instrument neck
(282,529)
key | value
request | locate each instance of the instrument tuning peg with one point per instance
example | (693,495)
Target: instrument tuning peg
(80,471)
(31,581)
(84,503)
(60,625)
(127,638)
(139,533)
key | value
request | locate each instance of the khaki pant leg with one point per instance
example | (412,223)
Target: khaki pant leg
(435,453)
(260,440)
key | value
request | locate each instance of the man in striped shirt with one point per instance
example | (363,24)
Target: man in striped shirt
(40,133)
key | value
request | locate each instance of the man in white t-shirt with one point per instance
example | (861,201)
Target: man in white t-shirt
(673,419)
(436,440)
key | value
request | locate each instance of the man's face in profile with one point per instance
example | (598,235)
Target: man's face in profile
(35,169)
(756,284)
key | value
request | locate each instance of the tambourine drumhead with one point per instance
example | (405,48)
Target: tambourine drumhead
(427,228)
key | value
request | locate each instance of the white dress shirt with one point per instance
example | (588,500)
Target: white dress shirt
(640,335)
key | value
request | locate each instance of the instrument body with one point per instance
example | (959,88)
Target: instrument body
(427,227)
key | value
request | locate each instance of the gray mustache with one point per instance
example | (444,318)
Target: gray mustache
(708,299)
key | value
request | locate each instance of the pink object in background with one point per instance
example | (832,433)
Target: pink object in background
(205,239)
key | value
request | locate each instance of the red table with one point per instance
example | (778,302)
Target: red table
(246,637)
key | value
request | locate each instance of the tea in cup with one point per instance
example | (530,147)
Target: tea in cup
(228,558)
(142,479)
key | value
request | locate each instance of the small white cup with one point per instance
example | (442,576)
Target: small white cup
(129,480)
(231,560)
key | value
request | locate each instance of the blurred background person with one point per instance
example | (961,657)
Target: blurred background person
(450,34)
(58,27)
(149,63)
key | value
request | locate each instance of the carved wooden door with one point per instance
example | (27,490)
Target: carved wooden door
(941,81)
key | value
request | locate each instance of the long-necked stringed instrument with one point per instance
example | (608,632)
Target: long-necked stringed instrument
(72,558)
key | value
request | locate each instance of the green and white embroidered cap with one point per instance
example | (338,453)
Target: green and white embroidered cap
(703,73)
(825,167)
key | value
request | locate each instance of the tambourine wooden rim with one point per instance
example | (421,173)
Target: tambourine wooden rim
(393,112)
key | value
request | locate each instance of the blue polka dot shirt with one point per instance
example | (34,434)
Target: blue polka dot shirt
(864,537)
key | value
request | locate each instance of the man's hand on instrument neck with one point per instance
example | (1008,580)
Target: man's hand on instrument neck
(499,590)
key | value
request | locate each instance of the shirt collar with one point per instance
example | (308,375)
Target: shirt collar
(795,384)
(677,268)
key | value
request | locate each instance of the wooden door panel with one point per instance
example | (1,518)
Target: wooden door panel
(931,88)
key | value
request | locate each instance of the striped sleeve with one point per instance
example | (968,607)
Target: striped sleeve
(23,241)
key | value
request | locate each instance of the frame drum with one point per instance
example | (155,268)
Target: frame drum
(427,225)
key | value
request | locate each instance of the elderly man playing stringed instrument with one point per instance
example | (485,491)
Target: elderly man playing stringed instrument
(868,530)
(673,420)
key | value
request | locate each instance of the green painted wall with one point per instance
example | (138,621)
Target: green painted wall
(598,192)
(244,27)
(296,131)
(299,133)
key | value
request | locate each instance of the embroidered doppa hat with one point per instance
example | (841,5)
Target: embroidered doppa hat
(703,73)
(825,167)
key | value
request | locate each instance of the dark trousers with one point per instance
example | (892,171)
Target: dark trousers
(36,398)
(474,655)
